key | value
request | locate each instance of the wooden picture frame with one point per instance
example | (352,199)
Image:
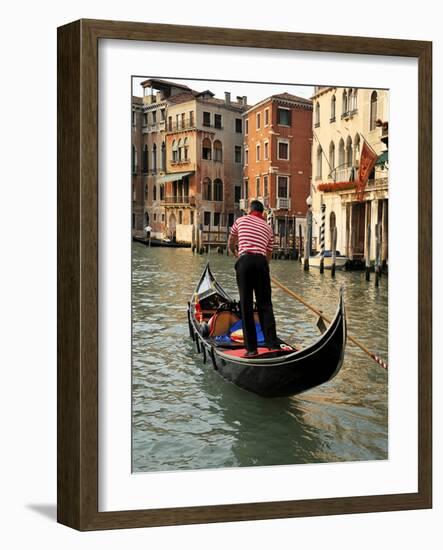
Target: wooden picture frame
(77,457)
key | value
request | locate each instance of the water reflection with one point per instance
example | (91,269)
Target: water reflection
(185,416)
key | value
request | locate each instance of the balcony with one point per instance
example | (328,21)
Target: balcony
(244,203)
(186,124)
(349,113)
(177,162)
(343,173)
(283,203)
(179,200)
(209,125)
(157,127)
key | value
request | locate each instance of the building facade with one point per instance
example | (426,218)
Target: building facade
(191,160)
(343,119)
(277,157)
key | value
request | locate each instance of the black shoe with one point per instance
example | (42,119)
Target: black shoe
(251,354)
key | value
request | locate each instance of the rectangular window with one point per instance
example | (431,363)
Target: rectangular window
(238,125)
(177,122)
(145,119)
(154,117)
(180,217)
(265,186)
(266,150)
(163,114)
(230,220)
(237,155)
(266,117)
(183,120)
(192,217)
(216,218)
(283,150)
(283,117)
(170,123)
(206,118)
(246,127)
(246,157)
(282,187)
(206,218)
(257,187)
(257,152)
(246,189)
(258,120)
(163,217)
(134,118)
(191,118)
(237,193)
(155,217)
(217,121)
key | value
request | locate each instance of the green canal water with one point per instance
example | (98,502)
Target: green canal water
(185,416)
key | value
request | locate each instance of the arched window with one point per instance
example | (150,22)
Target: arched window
(146,191)
(145,159)
(154,158)
(186,149)
(344,105)
(174,151)
(355,103)
(356,149)
(350,100)
(218,151)
(341,153)
(317,114)
(154,191)
(349,151)
(163,157)
(206,149)
(180,149)
(373,118)
(207,190)
(134,159)
(332,156)
(333,102)
(162,192)
(218,190)
(319,162)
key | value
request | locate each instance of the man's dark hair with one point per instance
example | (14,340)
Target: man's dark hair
(256,206)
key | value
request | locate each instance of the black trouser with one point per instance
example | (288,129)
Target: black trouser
(253,276)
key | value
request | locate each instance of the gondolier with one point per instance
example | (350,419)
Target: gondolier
(254,239)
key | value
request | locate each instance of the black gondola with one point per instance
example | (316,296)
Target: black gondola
(272,373)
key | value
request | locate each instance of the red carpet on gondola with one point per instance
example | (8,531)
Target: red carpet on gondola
(261,352)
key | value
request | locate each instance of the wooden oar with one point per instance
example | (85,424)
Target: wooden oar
(377,359)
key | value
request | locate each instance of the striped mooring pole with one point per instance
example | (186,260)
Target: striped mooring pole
(322,238)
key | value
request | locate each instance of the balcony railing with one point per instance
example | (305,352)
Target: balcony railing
(179,199)
(349,113)
(283,203)
(187,124)
(157,127)
(216,126)
(180,161)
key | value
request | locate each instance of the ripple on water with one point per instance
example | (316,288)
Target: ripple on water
(186,417)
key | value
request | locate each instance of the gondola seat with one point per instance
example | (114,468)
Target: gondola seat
(221,322)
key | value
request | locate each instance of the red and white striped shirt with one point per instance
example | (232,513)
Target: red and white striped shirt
(254,235)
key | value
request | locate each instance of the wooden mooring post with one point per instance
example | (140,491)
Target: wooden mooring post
(300,243)
(368,252)
(322,238)
(334,250)
(308,237)
(378,238)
